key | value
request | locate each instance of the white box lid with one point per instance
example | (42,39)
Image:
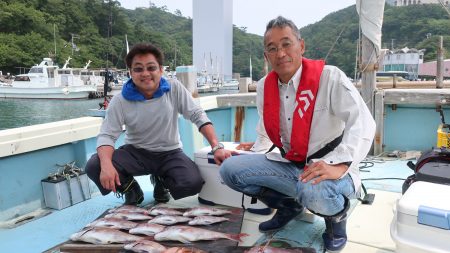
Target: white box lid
(424,194)
(205,152)
(429,202)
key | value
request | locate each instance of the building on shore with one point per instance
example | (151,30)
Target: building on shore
(429,69)
(415,2)
(405,59)
(213,37)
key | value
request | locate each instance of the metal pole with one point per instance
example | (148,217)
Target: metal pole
(54,38)
(440,65)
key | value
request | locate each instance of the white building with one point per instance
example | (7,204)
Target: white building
(405,59)
(213,36)
(412,2)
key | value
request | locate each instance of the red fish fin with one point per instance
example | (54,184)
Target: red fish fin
(237,237)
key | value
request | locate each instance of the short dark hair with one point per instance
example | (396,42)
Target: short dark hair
(144,48)
(282,22)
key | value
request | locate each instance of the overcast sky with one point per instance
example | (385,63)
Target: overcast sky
(254,14)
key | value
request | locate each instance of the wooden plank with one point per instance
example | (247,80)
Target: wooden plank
(379,120)
(238,119)
(231,100)
(233,226)
(293,249)
(417,96)
(408,85)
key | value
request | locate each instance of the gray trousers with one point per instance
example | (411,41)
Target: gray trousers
(179,173)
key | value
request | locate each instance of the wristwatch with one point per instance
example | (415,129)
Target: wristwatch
(215,148)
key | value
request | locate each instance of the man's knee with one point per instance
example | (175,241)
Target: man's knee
(228,170)
(319,198)
(92,167)
(186,188)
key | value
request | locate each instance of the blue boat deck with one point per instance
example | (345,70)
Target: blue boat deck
(368,226)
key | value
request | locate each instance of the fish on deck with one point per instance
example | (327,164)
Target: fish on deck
(187,234)
(145,246)
(169,219)
(112,223)
(207,220)
(269,249)
(201,211)
(129,208)
(126,215)
(159,210)
(147,229)
(103,236)
(184,250)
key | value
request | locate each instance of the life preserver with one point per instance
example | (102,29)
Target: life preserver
(303,113)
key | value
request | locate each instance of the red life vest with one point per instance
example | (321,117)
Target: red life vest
(303,113)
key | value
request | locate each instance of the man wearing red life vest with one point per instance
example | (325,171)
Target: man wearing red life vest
(322,129)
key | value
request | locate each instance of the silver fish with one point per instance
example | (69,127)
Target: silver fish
(184,250)
(169,219)
(147,229)
(103,236)
(206,220)
(112,223)
(145,246)
(128,208)
(186,234)
(269,249)
(164,211)
(129,216)
(200,211)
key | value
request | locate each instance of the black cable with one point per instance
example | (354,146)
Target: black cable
(366,164)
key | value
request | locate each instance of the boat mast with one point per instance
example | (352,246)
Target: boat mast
(106,84)
(54,38)
(370,27)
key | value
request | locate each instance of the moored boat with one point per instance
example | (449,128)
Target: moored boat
(48,81)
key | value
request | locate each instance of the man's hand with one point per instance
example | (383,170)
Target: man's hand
(246,146)
(320,171)
(109,177)
(221,154)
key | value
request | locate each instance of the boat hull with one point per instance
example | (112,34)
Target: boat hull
(69,92)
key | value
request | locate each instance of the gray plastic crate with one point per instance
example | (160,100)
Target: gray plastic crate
(58,195)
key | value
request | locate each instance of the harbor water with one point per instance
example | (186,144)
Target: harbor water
(25,112)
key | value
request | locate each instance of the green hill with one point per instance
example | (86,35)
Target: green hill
(32,29)
(407,26)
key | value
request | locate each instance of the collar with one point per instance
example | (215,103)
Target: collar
(130,92)
(295,79)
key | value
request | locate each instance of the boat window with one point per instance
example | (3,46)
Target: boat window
(36,70)
(62,71)
(22,78)
(76,72)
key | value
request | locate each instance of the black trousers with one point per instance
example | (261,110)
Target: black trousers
(179,173)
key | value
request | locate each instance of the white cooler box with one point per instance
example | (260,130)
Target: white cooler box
(421,220)
(216,192)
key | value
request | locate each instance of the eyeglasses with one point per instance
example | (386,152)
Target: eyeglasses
(285,45)
(141,69)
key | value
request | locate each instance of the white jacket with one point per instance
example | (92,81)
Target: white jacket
(338,108)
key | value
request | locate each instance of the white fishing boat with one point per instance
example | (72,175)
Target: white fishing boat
(47,80)
(232,84)
(205,83)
